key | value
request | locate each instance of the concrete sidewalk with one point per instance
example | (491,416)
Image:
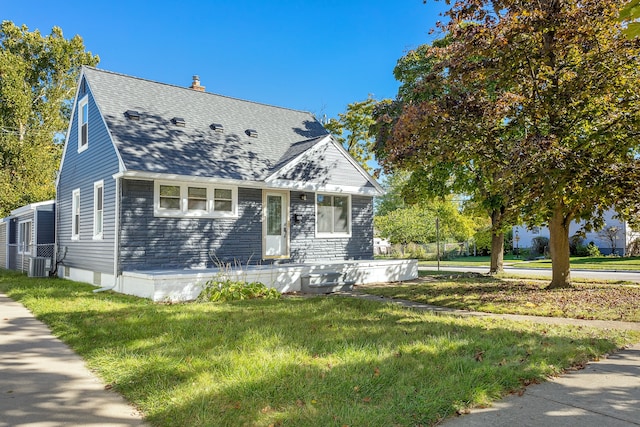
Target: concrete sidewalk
(43,383)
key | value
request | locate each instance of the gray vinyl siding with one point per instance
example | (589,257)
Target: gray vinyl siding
(3,245)
(306,247)
(12,249)
(46,227)
(80,171)
(45,232)
(327,166)
(19,261)
(148,242)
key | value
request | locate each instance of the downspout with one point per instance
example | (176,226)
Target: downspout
(116,241)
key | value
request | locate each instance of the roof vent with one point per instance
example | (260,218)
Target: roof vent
(217,127)
(252,133)
(132,115)
(179,121)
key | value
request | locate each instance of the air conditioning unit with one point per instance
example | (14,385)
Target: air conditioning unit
(39,266)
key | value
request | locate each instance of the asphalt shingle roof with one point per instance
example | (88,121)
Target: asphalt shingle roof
(155,144)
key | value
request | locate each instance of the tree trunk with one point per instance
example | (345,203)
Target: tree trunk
(559,247)
(497,243)
(497,253)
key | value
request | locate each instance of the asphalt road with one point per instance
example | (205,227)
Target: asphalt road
(631,276)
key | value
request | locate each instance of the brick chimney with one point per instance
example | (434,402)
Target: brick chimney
(196,84)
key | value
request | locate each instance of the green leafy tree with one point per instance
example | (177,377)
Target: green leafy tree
(447,153)
(393,197)
(38,75)
(352,129)
(629,15)
(416,223)
(547,88)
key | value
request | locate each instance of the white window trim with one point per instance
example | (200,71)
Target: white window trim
(84,101)
(75,206)
(333,235)
(183,212)
(97,235)
(20,237)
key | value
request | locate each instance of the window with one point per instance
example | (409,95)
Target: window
(83,124)
(24,237)
(223,200)
(178,199)
(170,197)
(75,215)
(98,209)
(197,199)
(333,215)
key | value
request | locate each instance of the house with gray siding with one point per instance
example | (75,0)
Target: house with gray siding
(27,239)
(613,238)
(161,187)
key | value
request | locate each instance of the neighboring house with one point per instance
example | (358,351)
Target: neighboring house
(27,238)
(158,180)
(381,246)
(621,238)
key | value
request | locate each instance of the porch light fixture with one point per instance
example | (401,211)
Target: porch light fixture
(179,121)
(217,127)
(132,115)
(303,196)
(252,133)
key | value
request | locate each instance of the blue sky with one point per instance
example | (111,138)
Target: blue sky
(316,56)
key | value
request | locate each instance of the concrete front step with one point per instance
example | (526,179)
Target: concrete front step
(324,283)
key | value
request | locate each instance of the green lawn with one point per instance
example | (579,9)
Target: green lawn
(588,263)
(301,361)
(586,300)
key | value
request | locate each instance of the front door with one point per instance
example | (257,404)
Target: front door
(275,224)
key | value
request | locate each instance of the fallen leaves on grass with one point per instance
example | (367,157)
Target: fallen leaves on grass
(490,294)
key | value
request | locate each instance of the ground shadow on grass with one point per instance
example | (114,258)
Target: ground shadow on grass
(302,361)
